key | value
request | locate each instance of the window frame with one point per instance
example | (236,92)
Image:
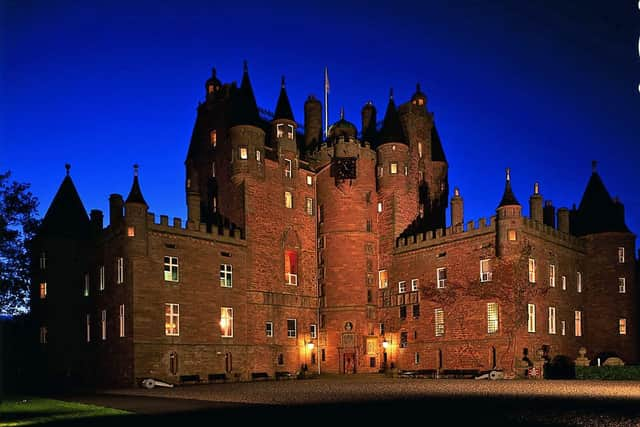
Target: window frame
(268,329)
(441,282)
(438,321)
(291,276)
(578,323)
(402,287)
(292,333)
(552,321)
(119,270)
(552,275)
(415,285)
(226,275)
(288,200)
(579,282)
(621,255)
(173,265)
(622,326)
(101,281)
(308,206)
(172,320)
(121,319)
(532,270)
(313,331)
(288,168)
(622,285)
(531,318)
(226,322)
(243,152)
(103,325)
(383,273)
(485,275)
(43,290)
(493,318)
(393,168)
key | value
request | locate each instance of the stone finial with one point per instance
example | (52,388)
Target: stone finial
(67,166)
(536,188)
(456,192)
(508,170)
(341,113)
(135,169)
(391,93)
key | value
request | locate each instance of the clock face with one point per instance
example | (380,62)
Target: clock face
(345,168)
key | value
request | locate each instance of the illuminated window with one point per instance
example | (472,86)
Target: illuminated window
(214,204)
(621,255)
(291,268)
(213,170)
(414,285)
(279,130)
(43,290)
(309,180)
(383,279)
(88,328)
(402,287)
(288,200)
(372,345)
(552,320)
(87,284)
(290,132)
(406,170)
(313,331)
(226,322)
(101,277)
(268,329)
(485,271)
(512,235)
(564,282)
(171,269)
(622,285)
(393,168)
(226,275)
(578,323)
(210,89)
(441,274)
(43,334)
(379,207)
(172,319)
(420,149)
(439,321)
(258,156)
(531,318)
(120,270)
(532,270)
(287,168)
(43,260)
(103,325)
(622,326)
(563,327)
(291,328)
(420,101)
(552,275)
(121,318)
(492,317)
(213,137)
(578,282)
(243,153)
(308,206)
(131,231)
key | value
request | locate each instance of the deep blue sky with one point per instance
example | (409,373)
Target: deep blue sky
(543,87)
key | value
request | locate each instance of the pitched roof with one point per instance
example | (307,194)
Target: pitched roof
(283,107)
(437,152)
(135,195)
(508,198)
(391,127)
(598,212)
(66,216)
(244,109)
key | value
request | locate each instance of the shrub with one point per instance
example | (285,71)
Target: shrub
(627,372)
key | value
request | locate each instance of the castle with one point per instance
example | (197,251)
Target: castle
(332,253)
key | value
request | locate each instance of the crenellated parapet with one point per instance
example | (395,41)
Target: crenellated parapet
(548,232)
(223,232)
(446,235)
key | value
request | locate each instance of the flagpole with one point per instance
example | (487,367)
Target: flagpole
(326,101)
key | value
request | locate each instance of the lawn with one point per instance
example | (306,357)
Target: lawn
(28,411)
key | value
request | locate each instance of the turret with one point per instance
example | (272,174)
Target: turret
(369,117)
(419,99)
(549,214)
(116,205)
(212,86)
(508,218)
(342,135)
(535,204)
(136,208)
(457,211)
(284,127)
(312,123)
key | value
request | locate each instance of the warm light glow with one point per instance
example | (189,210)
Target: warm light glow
(310,346)
(385,344)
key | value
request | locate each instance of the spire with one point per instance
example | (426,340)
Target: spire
(391,127)
(283,107)
(245,108)
(66,216)
(508,198)
(341,113)
(135,195)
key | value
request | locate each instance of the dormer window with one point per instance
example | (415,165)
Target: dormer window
(210,89)
(213,136)
(282,128)
(279,130)
(243,153)
(420,101)
(393,168)
(290,132)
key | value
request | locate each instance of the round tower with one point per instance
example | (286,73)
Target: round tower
(312,123)
(284,127)
(369,118)
(535,204)
(135,218)
(508,219)
(457,211)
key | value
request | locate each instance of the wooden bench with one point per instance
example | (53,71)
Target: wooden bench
(184,379)
(218,377)
(259,376)
(285,375)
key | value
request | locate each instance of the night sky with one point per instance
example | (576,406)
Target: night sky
(542,87)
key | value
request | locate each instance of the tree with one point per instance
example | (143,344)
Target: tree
(18,224)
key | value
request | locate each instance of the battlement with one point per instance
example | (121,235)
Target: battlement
(224,231)
(446,235)
(547,232)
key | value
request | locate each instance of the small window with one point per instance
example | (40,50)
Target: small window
(369,226)
(441,274)
(268,329)
(563,327)
(291,328)
(532,270)
(43,290)
(420,149)
(531,318)
(213,135)
(287,168)
(173,363)
(416,358)
(226,322)
(552,275)
(214,204)
(512,236)
(120,270)
(309,180)
(279,130)
(404,339)
(622,285)
(243,153)
(226,275)
(43,335)
(403,312)
(485,271)
(213,170)
(280,359)
(439,321)
(492,317)
(86,285)
(402,287)
(379,207)
(380,171)
(313,331)
(552,320)
(290,132)
(88,328)
(172,319)
(564,282)
(578,282)
(416,311)
(578,323)
(291,267)
(622,326)
(621,255)
(288,200)
(406,170)
(121,320)
(381,325)
(103,325)
(258,156)
(101,277)
(170,269)
(393,168)
(131,231)
(43,260)
(383,279)
(308,205)
(414,285)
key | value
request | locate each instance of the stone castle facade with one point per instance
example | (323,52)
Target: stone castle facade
(325,254)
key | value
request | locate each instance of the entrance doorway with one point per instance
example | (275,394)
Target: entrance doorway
(349,363)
